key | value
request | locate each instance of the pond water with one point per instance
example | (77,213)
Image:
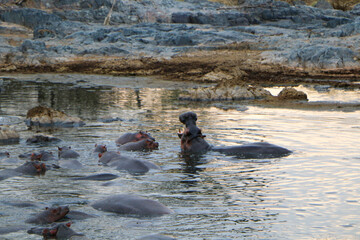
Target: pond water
(312,194)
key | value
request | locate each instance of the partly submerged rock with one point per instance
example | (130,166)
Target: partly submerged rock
(8,135)
(237,92)
(292,94)
(47,117)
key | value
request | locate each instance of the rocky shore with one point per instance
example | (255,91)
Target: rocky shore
(260,41)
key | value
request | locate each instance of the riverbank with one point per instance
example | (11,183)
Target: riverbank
(257,42)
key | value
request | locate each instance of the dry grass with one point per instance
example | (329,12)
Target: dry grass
(337,4)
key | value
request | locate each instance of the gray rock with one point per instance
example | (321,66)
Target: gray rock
(323,56)
(323,4)
(32,45)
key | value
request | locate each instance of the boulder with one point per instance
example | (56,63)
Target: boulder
(289,93)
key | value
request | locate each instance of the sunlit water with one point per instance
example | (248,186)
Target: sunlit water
(312,194)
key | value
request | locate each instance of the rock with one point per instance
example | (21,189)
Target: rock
(46,117)
(237,92)
(323,56)
(8,135)
(216,77)
(28,17)
(323,4)
(292,94)
(31,45)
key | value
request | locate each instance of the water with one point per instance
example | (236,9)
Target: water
(311,194)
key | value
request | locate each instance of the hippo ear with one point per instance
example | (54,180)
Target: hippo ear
(46,208)
(68,224)
(59,148)
(95,144)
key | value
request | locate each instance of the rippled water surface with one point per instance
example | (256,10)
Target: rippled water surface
(312,194)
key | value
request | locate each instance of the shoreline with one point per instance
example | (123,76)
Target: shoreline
(194,66)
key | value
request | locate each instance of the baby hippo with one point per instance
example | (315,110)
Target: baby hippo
(142,145)
(100,148)
(133,137)
(67,152)
(49,215)
(56,231)
(42,156)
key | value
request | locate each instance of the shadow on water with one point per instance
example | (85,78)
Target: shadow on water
(191,162)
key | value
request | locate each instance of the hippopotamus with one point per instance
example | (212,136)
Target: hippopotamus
(100,148)
(67,152)
(131,205)
(147,144)
(42,156)
(98,177)
(31,168)
(42,139)
(55,230)
(28,168)
(121,162)
(4,155)
(133,137)
(192,141)
(49,215)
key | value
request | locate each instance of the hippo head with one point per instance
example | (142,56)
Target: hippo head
(56,213)
(188,118)
(56,230)
(40,168)
(151,144)
(100,148)
(143,135)
(192,140)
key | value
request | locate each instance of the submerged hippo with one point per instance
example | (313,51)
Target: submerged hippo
(42,139)
(192,141)
(133,137)
(67,152)
(121,162)
(49,215)
(4,155)
(131,205)
(147,144)
(28,168)
(100,148)
(42,156)
(55,230)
